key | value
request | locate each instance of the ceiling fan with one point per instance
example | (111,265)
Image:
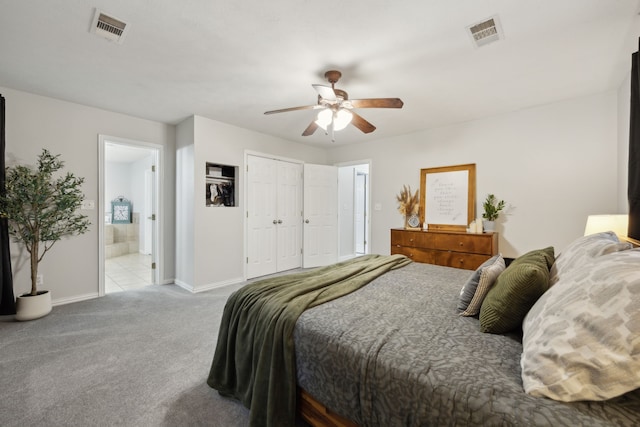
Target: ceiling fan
(336,109)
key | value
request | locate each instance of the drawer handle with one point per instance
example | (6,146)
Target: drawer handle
(461,244)
(411,240)
(398,246)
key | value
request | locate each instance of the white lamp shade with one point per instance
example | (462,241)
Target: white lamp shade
(324,118)
(599,223)
(341,119)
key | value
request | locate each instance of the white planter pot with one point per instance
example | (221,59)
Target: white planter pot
(30,307)
(489,226)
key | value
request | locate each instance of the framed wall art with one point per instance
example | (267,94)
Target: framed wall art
(448,197)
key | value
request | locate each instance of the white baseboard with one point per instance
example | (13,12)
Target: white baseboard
(208,286)
(183,285)
(76,298)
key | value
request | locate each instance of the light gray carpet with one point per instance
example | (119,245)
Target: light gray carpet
(136,358)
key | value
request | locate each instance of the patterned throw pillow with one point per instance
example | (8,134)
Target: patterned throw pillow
(582,251)
(488,277)
(469,288)
(515,292)
(580,340)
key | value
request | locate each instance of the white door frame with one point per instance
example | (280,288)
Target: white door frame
(157,245)
(360,233)
(368,199)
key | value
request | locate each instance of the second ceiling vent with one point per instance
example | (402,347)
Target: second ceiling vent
(486,32)
(110,28)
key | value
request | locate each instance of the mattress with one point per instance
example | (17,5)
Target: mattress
(397,353)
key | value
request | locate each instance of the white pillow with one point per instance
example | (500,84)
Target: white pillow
(581,252)
(581,339)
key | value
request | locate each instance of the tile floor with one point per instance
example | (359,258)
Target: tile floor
(125,272)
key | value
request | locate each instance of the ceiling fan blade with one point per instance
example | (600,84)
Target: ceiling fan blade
(310,129)
(377,103)
(284,110)
(326,92)
(361,123)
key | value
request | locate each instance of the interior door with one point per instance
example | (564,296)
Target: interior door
(360,209)
(320,215)
(261,216)
(289,216)
(151,228)
(146,218)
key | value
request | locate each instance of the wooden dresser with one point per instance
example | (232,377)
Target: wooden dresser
(449,248)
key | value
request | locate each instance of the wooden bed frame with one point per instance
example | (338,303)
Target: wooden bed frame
(317,415)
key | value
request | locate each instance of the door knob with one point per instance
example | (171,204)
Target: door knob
(275,222)
(306,221)
(279,221)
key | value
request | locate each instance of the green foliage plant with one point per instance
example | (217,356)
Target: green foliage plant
(492,207)
(41,207)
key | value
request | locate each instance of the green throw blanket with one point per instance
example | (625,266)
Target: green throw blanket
(254,359)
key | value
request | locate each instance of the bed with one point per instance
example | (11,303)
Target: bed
(398,352)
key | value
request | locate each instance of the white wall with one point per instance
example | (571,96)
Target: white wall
(185,203)
(552,164)
(70,269)
(217,237)
(118,181)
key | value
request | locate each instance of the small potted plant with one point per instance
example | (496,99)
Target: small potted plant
(492,208)
(41,208)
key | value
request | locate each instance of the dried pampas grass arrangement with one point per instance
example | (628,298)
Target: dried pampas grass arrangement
(408,204)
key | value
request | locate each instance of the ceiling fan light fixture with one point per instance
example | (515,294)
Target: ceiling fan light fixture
(335,108)
(341,119)
(324,118)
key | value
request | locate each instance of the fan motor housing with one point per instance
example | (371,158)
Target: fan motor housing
(341,94)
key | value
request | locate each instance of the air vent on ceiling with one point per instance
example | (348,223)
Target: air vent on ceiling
(485,32)
(109,27)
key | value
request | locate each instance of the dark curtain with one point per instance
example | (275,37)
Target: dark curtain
(634,152)
(7,301)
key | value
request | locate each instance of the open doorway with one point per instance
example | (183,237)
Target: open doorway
(353,217)
(128,201)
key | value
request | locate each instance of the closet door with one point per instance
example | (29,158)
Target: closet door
(289,215)
(320,215)
(274,216)
(262,216)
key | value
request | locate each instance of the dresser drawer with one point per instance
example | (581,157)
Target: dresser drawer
(448,248)
(416,239)
(476,244)
(460,260)
(415,254)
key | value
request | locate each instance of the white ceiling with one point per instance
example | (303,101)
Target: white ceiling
(231,60)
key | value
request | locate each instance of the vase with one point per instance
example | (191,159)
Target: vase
(489,226)
(30,307)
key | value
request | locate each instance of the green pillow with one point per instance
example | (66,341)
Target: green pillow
(515,292)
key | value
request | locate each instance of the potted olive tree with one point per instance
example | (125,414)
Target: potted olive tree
(41,208)
(492,208)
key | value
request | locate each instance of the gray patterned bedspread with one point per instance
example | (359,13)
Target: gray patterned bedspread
(396,353)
